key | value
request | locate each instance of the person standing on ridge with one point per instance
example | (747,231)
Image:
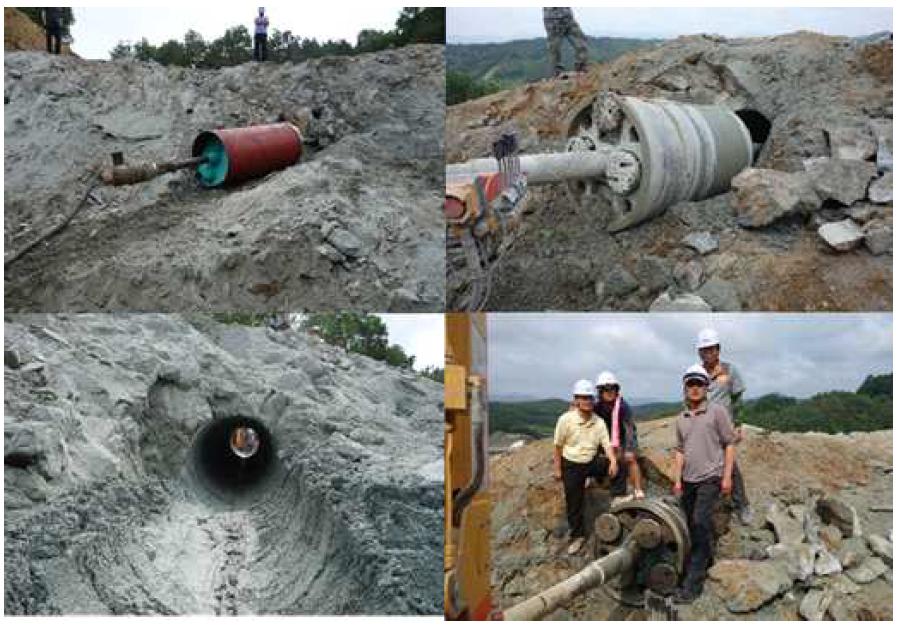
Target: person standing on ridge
(559,22)
(261,24)
(726,388)
(52,17)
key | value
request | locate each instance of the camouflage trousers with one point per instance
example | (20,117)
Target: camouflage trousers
(572,32)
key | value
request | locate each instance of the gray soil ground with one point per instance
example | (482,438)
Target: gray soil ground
(785,474)
(113,504)
(354,223)
(825,97)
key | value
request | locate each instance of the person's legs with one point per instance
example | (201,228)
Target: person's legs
(57,44)
(699,505)
(740,502)
(554,48)
(580,44)
(49,43)
(634,472)
(573,478)
(619,483)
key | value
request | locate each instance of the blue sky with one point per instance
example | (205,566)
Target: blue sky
(541,355)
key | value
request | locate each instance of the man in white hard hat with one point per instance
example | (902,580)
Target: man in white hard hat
(705,450)
(578,437)
(617,415)
(726,388)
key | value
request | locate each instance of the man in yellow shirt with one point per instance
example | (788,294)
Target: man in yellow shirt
(577,440)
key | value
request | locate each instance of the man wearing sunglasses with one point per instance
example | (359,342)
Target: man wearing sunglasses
(579,436)
(705,451)
(726,388)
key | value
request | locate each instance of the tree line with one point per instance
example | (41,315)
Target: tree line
(415,25)
(868,408)
(365,334)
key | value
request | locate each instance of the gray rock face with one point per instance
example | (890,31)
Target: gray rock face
(122,495)
(882,130)
(852,142)
(852,552)
(880,190)
(867,571)
(619,282)
(763,196)
(721,295)
(680,303)
(881,547)
(833,510)
(815,604)
(878,236)
(798,558)
(653,272)
(841,236)
(844,181)
(689,275)
(372,165)
(746,585)
(788,530)
(704,243)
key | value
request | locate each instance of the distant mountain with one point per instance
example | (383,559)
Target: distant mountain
(867,409)
(520,61)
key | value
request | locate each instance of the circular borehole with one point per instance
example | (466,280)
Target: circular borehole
(234,458)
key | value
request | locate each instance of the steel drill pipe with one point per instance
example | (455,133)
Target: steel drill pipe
(594,574)
(538,168)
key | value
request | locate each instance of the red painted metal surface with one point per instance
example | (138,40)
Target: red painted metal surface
(257,150)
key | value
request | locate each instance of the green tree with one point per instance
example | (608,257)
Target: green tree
(122,50)
(434,373)
(422,25)
(877,386)
(372,40)
(359,333)
(194,48)
(231,49)
(461,87)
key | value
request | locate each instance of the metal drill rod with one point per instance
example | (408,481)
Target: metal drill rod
(122,174)
(539,168)
(594,574)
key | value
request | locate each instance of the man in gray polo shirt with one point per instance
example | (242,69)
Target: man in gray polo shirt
(705,447)
(726,388)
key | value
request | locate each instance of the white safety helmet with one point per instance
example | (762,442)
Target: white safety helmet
(607,379)
(696,371)
(583,387)
(708,338)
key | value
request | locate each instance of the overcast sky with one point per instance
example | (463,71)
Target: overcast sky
(98,29)
(421,335)
(500,24)
(536,356)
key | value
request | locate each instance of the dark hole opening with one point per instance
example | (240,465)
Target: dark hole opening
(758,125)
(222,471)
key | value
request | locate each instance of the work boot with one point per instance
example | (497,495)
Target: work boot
(686,594)
(575,545)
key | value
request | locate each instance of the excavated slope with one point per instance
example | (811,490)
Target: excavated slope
(814,96)
(785,474)
(122,496)
(354,223)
